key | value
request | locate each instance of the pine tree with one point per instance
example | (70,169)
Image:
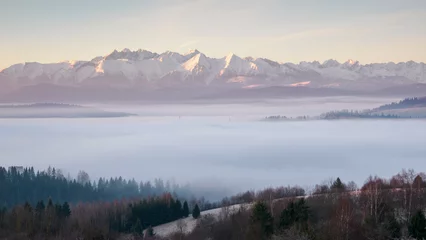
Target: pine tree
(302,215)
(50,203)
(196,212)
(65,210)
(288,216)
(177,210)
(338,185)
(417,227)
(185,210)
(58,210)
(295,214)
(27,207)
(262,217)
(40,207)
(392,227)
(137,227)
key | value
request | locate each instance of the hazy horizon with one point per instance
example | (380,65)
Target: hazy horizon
(53,31)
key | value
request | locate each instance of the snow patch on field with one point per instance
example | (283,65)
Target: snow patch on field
(190,223)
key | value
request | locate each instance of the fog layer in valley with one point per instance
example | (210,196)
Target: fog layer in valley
(220,148)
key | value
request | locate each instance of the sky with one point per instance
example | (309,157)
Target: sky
(281,30)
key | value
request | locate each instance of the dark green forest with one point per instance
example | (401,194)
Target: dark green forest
(20,185)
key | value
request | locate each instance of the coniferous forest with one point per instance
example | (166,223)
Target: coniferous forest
(26,185)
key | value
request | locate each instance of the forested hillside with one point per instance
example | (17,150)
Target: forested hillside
(20,185)
(381,209)
(405,103)
(101,220)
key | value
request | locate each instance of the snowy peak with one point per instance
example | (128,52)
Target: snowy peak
(198,63)
(142,67)
(177,57)
(232,58)
(192,52)
(125,50)
(237,65)
(351,62)
(270,62)
(127,54)
(330,63)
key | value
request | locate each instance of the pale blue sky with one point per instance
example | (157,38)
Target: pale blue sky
(286,31)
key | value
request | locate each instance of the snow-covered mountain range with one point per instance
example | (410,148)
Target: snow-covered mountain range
(145,69)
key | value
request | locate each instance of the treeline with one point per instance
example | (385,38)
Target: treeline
(42,105)
(346,114)
(405,103)
(284,118)
(381,209)
(20,185)
(102,220)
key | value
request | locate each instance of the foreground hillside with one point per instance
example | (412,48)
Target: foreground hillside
(380,209)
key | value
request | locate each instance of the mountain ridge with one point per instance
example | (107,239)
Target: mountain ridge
(150,70)
(242,66)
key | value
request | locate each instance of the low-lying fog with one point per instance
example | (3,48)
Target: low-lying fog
(215,147)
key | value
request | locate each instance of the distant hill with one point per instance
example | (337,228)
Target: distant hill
(406,103)
(406,108)
(40,105)
(55,110)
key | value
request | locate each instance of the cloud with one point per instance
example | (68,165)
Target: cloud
(189,43)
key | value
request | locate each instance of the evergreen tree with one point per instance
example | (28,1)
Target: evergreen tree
(137,228)
(185,210)
(58,209)
(196,212)
(417,226)
(295,214)
(338,185)
(65,210)
(50,203)
(177,210)
(27,207)
(302,215)
(262,217)
(40,207)
(288,216)
(392,227)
